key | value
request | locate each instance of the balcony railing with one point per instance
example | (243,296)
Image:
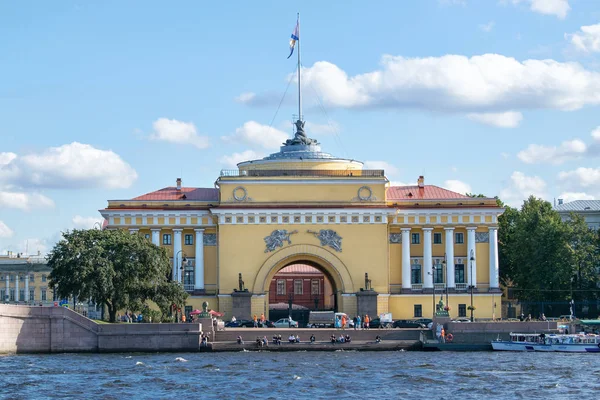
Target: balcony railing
(416,286)
(439,286)
(461,286)
(362,173)
(188,287)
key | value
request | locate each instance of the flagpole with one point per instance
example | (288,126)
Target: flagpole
(299,87)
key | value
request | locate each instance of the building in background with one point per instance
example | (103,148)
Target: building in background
(24,279)
(588,209)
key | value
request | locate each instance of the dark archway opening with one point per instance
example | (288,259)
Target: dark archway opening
(300,287)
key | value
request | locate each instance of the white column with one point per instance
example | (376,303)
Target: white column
(406,258)
(133,231)
(177,254)
(450,257)
(17,287)
(199,275)
(156,236)
(27,288)
(7,287)
(427,260)
(494,272)
(472,248)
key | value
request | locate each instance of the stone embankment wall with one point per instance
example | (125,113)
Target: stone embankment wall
(25,329)
(321,335)
(485,332)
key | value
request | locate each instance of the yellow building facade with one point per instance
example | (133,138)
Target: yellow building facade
(396,249)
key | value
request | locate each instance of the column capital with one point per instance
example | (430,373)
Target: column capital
(199,230)
(471,228)
(155,229)
(427,229)
(405,229)
(492,228)
(177,230)
(448,228)
(134,230)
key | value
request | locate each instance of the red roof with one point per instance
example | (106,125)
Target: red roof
(428,192)
(299,269)
(186,193)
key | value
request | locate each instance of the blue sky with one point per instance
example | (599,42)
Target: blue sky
(110,100)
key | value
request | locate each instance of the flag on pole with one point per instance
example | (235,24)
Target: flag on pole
(294,38)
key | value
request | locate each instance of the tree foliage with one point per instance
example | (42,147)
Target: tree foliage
(113,268)
(545,258)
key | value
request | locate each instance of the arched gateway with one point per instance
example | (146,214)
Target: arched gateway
(326,260)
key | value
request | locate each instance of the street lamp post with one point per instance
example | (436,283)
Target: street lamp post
(445,280)
(432,273)
(177,267)
(290,303)
(472,258)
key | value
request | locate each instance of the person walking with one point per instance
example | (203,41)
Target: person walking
(255,320)
(367,321)
(344,322)
(358,322)
(443,335)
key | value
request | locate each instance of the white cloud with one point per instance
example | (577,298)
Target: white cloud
(80,222)
(171,130)
(580,178)
(572,196)
(389,169)
(567,150)
(559,8)
(508,119)
(5,231)
(24,201)
(398,183)
(255,135)
(521,187)
(245,97)
(74,165)
(6,158)
(487,27)
(489,83)
(232,160)
(587,39)
(322,129)
(457,186)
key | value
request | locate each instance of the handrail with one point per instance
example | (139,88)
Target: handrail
(360,173)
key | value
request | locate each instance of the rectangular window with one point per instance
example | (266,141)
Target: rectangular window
(43,278)
(415,238)
(12,294)
(415,273)
(189,277)
(281,287)
(31,294)
(437,238)
(3,295)
(298,286)
(188,239)
(459,273)
(187,310)
(21,294)
(418,310)
(459,238)
(167,239)
(438,274)
(462,310)
(12,278)
(314,286)
(43,294)
(32,278)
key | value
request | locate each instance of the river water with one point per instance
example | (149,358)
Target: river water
(304,375)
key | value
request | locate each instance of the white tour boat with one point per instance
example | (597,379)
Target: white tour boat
(577,343)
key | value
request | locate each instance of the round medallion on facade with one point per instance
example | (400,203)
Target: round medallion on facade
(240,193)
(365,193)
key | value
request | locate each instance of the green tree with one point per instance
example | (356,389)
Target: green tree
(113,268)
(584,245)
(537,251)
